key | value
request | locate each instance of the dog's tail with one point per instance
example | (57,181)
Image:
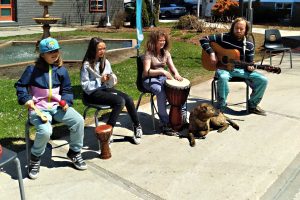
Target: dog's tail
(233,124)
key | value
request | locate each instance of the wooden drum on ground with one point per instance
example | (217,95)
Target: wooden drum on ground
(103,133)
(177,93)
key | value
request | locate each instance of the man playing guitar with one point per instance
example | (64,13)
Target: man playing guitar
(236,38)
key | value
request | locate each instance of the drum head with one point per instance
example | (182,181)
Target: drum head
(178,84)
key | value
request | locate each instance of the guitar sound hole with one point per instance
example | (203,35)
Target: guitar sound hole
(225,60)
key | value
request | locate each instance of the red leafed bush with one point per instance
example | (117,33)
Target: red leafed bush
(225,10)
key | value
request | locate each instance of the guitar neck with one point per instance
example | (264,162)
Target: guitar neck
(268,68)
(259,66)
(244,65)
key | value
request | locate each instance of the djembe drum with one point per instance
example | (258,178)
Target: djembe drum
(177,93)
(103,133)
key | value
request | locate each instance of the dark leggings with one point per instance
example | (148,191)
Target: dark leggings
(116,100)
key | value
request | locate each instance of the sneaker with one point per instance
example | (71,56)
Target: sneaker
(34,167)
(167,130)
(138,132)
(257,110)
(77,160)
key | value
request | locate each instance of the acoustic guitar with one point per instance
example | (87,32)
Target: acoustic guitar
(228,59)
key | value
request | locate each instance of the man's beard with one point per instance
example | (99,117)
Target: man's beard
(239,37)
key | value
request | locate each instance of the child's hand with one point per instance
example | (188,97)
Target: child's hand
(29,104)
(65,108)
(104,78)
(63,104)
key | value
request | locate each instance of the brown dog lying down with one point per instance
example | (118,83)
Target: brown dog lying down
(204,118)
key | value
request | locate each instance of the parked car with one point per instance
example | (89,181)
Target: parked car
(129,8)
(191,6)
(171,10)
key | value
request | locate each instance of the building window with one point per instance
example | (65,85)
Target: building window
(284,9)
(97,5)
(6,10)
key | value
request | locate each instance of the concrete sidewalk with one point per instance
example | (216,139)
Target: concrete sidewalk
(261,161)
(26,30)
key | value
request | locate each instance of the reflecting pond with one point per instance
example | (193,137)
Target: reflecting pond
(75,50)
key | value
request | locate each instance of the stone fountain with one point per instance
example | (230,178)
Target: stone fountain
(46,20)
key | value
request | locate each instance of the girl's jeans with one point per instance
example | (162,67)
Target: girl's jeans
(156,86)
(71,118)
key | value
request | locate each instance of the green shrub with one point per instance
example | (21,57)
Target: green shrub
(190,22)
(119,18)
(145,14)
(102,21)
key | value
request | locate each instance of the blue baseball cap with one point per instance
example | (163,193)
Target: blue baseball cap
(48,44)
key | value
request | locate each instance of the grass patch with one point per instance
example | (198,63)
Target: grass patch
(176,33)
(188,36)
(186,56)
(74,34)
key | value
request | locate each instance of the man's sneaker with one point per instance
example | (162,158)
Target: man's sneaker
(77,160)
(34,167)
(167,130)
(257,110)
(137,134)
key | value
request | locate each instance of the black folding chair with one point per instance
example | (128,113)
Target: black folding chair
(140,87)
(234,79)
(273,44)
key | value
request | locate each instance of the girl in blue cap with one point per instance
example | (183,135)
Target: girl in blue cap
(45,88)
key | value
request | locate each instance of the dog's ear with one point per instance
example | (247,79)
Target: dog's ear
(203,109)
(197,110)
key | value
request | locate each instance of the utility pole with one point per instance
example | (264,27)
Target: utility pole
(241,8)
(250,15)
(152,15)
(107,14)
(198,9)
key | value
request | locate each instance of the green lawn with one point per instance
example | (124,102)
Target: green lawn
(13,116)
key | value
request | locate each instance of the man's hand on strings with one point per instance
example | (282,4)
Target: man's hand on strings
(213,59)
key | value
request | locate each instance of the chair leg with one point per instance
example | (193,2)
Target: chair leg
(184,111)
(96,117)
(270,57)
(152,112)
(291,60)
(21,186)
(139,101)
(262,60)
(85,111)
(247,97)
(213,92)
(27,141)
(282,57)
